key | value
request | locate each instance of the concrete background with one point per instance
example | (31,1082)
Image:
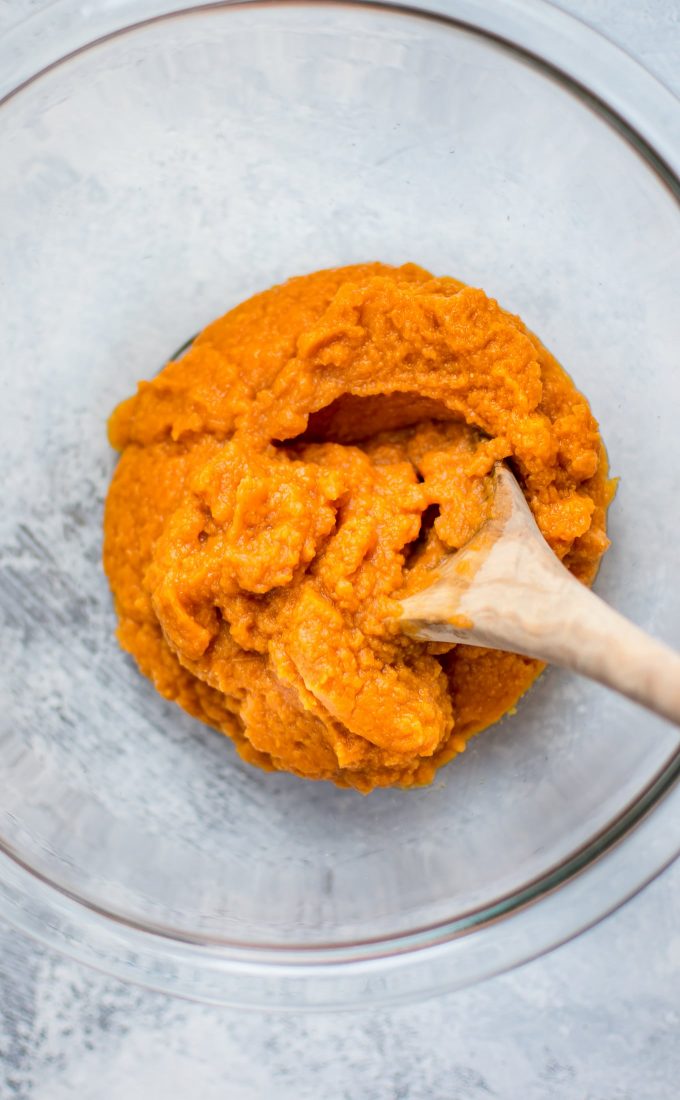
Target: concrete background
(599,1019)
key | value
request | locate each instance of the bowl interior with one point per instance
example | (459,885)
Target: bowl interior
(151,182)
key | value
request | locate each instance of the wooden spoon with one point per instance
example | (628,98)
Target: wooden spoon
(506,589)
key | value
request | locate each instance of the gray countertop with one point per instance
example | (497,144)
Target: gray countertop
(598,1019)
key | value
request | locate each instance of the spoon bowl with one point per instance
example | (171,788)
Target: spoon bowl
(506,589)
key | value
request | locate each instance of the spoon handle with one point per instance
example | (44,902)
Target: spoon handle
(607,647)
(515,594)
(559,620)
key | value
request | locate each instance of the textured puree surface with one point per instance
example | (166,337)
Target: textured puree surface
(302,466)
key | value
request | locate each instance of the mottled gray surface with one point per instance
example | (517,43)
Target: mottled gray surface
(596,1020)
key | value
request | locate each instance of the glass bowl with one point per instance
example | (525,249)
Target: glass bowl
(160,165)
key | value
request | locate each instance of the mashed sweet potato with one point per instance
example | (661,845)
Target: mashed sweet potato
(299,467)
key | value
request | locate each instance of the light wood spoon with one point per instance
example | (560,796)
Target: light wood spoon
(506,589)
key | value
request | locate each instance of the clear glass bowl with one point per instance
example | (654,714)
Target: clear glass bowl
(162,166)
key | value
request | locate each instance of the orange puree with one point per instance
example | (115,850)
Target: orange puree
(308,458)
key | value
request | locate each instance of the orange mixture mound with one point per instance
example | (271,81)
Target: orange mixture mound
(311,455)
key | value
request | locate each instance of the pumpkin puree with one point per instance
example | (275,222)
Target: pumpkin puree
(299,467)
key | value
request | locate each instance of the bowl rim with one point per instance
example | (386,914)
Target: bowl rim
(567,898)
